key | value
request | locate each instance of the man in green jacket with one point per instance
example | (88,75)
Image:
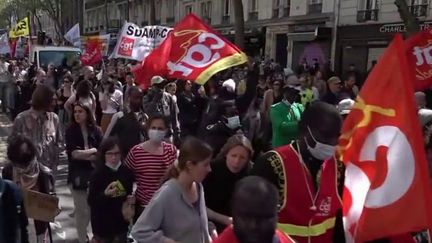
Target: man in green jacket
(285,116)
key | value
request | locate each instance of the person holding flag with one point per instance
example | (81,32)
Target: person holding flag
(305,173)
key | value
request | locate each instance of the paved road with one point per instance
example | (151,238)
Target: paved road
(64,227)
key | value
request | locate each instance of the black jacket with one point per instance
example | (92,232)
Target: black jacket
(13,214)
(106,212)
(80,170)
(219,187)
(217,135)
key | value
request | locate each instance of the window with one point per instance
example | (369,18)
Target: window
(418,8)
(188,9)
(158,9)
(253,6)
(226,7)
(170,8)
(371,4)
(206,9)
(315,6)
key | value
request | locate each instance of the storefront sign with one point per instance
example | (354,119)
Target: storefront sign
(400,28)
(300,28)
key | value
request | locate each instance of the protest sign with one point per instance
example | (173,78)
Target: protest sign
(136,42)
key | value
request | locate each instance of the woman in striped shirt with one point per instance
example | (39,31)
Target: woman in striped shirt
(150,160)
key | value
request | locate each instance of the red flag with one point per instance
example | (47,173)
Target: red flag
(13,45)
(192,51)
(387,190)
(419,52)
(92,54)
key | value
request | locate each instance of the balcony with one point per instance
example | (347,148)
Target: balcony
(144,23)
(253,15)
(170,20)
(367,15)
(315,8)
(419,10)
(225,19)
(158,22)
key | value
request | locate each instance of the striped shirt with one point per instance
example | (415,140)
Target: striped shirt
(149,169)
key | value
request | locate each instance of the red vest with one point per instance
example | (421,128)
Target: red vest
(228,236)
(299,217)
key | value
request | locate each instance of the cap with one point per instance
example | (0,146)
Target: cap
(157,80)
(345,106)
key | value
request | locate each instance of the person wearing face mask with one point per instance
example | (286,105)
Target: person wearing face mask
(255,205)
(227,124)
(285,117)
(306,176)
(28,174)
(109,189)
(150,160)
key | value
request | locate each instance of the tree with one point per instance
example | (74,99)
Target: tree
(411,22)
(239,23)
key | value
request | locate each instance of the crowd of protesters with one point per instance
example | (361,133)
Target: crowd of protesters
(189,149)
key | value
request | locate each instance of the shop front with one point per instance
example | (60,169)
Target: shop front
(310,42)
(361,45)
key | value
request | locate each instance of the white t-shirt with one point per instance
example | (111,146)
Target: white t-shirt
(115,102)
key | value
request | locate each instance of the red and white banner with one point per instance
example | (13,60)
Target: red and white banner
(92,54)
(136,42)
(387,188)
(419,52)
(192,51)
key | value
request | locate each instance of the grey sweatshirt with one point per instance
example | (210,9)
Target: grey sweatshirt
(169,215)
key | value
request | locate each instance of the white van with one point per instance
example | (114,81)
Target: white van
(60,56)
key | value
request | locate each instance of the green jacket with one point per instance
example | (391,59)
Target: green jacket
(284,121)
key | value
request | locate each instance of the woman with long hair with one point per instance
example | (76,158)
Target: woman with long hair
(181,197)
(230,165)
(111,100)
(83,138)
(109,189)
(28,174)
(150,160)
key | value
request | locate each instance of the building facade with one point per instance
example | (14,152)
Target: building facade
(284,30)
(367,26)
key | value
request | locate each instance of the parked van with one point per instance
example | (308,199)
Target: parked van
(59,56)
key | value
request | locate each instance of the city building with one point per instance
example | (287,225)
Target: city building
(366,27)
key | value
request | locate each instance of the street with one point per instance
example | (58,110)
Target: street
(63,230)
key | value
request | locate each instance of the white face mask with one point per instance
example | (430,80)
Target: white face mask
(321,151)
(156,135)
(114,167)
(233,122)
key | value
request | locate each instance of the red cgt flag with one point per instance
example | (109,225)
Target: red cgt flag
(92,54)
(192,51)
(387,190)
(419,52)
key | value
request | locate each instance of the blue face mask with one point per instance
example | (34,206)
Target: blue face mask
(321,151)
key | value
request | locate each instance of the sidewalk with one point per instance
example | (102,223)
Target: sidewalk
(63,230)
